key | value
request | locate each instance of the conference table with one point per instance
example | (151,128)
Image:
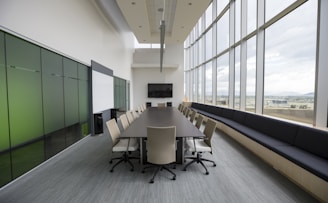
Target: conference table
(161,117)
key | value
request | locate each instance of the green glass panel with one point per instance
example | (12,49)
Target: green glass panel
(83,72)
(27,157)
(71,92)
(24,91)
(53,91)
(4,131)
(83,93)
(70,68)
(83,101)
(71,101)
(22,54)
(5,163)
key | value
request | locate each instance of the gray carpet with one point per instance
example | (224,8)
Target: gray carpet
(81,174)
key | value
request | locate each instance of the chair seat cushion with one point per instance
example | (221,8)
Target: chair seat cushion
(121,146)
(201,146)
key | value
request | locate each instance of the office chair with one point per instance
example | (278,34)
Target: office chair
(135,115)
(199,121)
(199,146)
(121,145)
(187,112)
(161,149)
(161,105)
(180,107)
(124,121)
(192,116)
(129,117)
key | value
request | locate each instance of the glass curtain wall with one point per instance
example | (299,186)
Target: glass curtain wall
(44,105)
(288,77)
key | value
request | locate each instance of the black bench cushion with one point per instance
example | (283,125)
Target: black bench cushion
(313,140)
(281,130)
(308,161)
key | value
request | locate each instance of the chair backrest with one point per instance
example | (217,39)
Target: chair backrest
(187,112)
(129,116)
(135,115)
(192,116)
(209,130)
(140,110)
(144,106)
(161,145)
(160,104)
(180,107)
(114,131)
(124,121)
(199,121)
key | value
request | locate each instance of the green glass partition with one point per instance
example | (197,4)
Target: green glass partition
(25,104)
(71,92)
(53,91)
(24,90)
(83,98)
(5,165)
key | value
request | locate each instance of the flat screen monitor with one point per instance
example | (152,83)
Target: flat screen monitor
(160,90)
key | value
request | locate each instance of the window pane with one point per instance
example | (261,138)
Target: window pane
(223,33)
(222,80)
(251,74)
(208,45)
(220,5)
(194,83)
(200,51)
(289,81)
(272,8)
(208,83)
(208,16)
(200,84)
(251,15)
(237,20)
(237,78)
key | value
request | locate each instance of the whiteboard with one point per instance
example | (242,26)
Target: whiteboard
(102,91)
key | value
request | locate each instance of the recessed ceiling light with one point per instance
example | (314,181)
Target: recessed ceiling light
(133,3)
(189,3)
(182,27)
(140,26)
(160,10)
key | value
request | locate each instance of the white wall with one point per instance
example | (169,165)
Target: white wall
(74,28)
(142,76)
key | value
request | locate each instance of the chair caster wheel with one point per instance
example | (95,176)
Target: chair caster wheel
(110,162)
(111,171)
(173,178)
(184,169)
(152,181)
(132,170)
(207,173)
(214,165)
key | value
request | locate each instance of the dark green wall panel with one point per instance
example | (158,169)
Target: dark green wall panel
(71,92)
(22,54)
(24,90)
(53,91)
(4,130)
(5,161)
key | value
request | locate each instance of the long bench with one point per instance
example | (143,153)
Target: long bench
(298,152)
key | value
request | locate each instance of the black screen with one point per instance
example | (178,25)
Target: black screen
(159,90)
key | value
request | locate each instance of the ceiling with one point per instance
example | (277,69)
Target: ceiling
(143,17)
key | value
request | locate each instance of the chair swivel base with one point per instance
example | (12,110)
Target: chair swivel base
(198,159)
(159,167)
(124,158)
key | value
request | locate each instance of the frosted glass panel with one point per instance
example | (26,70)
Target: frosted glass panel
(24,90)
(53,91)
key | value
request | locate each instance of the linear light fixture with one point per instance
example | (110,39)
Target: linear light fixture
(162,37)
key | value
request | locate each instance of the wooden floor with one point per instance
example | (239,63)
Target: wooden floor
(81,174)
